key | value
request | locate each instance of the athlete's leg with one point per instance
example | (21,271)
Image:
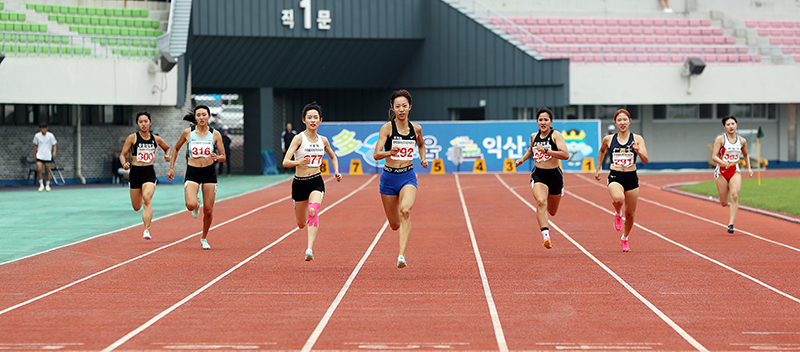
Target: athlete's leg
(314,197)
(391,208)
(47,169)
(735,185)
(136,199)
(190,189)
(631,200)
(617,196)
(209,195)
(408,194)
(301,213)
(39,172)
(146,197)
(552,204)
(722,189)
(540,194)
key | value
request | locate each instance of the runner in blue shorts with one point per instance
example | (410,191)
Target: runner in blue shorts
(399,140)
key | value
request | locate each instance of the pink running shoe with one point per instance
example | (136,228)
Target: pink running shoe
(547,243)
(625,247)
(618,222)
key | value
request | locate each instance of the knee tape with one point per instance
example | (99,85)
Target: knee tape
(313,220)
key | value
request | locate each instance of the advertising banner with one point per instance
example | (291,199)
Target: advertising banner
(461,143)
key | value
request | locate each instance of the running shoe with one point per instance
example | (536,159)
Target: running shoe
(309,255)
(196,212)
(547,243)
(618,222)
(47,188)
(730,228)
(401,261)
(146,234)
(204,243)
(41,188)
(625,247)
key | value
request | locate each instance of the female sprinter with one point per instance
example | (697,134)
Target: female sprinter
(547,180)
(728,149)
(623,183)
(308,188)
(200,166)
(142,145)
(399,139)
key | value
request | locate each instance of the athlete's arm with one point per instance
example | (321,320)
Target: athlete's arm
(178,145)
(220,148)
(421,146)
(383,135)
(715,152)
(334,159)
(287,159)
(528,153)
(639,147)
(746,156)
(562,152)
(164,146)
(126,148)
(601,154)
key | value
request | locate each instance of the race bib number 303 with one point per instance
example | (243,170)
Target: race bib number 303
(145,154)
(731,156)
(406,149)
(202,149)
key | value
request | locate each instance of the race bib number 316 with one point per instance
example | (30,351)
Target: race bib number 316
(406,149)
(202,149)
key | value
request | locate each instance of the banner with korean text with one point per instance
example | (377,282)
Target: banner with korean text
(460,143)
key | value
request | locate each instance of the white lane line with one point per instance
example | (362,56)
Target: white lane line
(487,292)
(613,274)
(757,281)
(158,317)
(136,258)
(329,313)
(702,218)
(135,225)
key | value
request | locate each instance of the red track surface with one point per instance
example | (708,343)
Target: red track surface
(687,285)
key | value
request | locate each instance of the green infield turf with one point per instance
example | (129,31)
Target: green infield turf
(776,194)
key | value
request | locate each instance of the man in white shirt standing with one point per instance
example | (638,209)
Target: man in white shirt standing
(44,148)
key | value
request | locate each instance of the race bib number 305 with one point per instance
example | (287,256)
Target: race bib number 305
(145,153)
(406,149)
(202,149)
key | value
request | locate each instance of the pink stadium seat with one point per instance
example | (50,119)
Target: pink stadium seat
(706,31)
(776,24)
(576,58)
(591,40)
(590,30)
(625,31)
(775,32)
(710,58)
(649,40)
(576,49)
(642,58)
(717,31)
(575,21)
(775,41)
(670,23)
(685,40)
(659,22)
(708,40)
(545,30)
(636,22)
(556,30)
(662,31)
(547,38)
(623,22)
(558,39)
(763,24)
(788,50)
(683,31)
(682,23)
(649,31)
(587,21)
(671,31)
(627,49)
(696,50)
(676,40)
(517,20)
(763,32)
(570,40)
(797,32)
(705,22)
(694,23)
(613,30)
(563,21)
(709,50)
(696,40)
(638,40)
(525,39)
(601,30)
(530,21)
(552,21)
(611,22)
(636,31)
(602,40)
(676,58)
(599,22)
(730,40)
(751,24)
(541,21)
(613,40)
(797,41)
(595,49)
(788,41)
(695,31)
(626,40)
(647,22)
(568,30)
(610,58)
(788,24)
(535,30)
(718,40)
(580,40)
(741,50)
(788,32)
(757,58)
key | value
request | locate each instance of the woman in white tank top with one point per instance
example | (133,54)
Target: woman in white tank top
(729,148)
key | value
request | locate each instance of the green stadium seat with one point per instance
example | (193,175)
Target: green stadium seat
(42,28)
(118,12)
(1,6)
(80,29)
(22,49)
(91,11)
(129,22)
(22,38)
(72,10)
(102,41)
(138,23)
(61,18)
(4,16)
(124,41)
(29,6)
(111,21)
(135,52)
(106,31)
(153,43)
(63,9)
(103,21)
(33,49)
(44,38)
(48,8)
(108,12)
(94,20)
(91,31)
(26,27)
(115,31)
(8,48)
(38,8)
(113,41)
(85,19)
(155,24)
(69,19)
(124,32)
(127,12)
(2,26)
(136,42)
(82,11)
(55,50)
(52,17)
(87,51)
(124,52)
(18,27)
(64,40)
(21,17)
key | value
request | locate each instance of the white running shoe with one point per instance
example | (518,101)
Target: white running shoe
(41,188)
(309,255)
(204,243)
(146,234)
(401,261)
(196,212)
